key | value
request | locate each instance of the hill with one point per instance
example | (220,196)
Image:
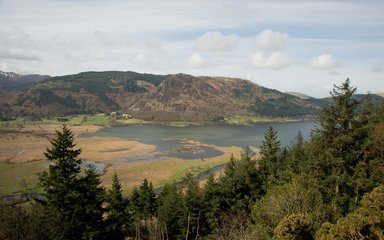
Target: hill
(153,97)
(13,81)
(299,95)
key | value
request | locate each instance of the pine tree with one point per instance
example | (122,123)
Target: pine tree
(241,183)
(297,155)
(170,211)
(77,197)
(119,219)
(337,148)
(147,199)
(211,205)
(135,210)
(61,178)
(270,159)
(192,207)
(88,210)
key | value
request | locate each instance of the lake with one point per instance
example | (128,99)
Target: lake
(176,141)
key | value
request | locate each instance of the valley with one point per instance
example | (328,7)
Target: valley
(159,153)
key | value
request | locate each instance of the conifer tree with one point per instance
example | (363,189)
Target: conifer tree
(192,207)
(337,148)
(297,155)
(119,219)
(241,183)
(88,210)
(270,159)
(211,204)
(147,199)
(77,197)
(170,211)
(135,210)
(60,181)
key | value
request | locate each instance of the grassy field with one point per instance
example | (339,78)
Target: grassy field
(163,171)
(23,177)
(20,177)
(75,120)
(21,157)
(249,120)
(20,173)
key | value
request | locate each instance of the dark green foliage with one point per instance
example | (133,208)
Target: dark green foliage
(337,151)
(105,99)
(30,222)
(86,215)
(217,118)
(281,194)
(241,184)
(296,160)
(170,211)
(143,206)
(147,200)
(45,97)
(366,222)
(192,209)
(78,198)
(211,205)
(96,82)
(271,160)
(244,90)
(282,107)
(119,220)
(60,180)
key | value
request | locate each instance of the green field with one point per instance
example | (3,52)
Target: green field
(82,119)
(249,120)
(20,177)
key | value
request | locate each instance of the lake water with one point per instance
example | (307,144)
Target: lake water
(173,141)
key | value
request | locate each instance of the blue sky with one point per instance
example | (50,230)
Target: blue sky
(302,46)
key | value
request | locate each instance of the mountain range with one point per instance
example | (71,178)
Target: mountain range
(148,96)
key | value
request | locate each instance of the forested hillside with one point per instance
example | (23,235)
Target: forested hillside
(329,187)
(152,97)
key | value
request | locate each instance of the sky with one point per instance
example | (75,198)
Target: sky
(302,46)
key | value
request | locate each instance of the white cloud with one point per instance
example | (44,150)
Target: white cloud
(216,41)
(196,61)
(335,73)
(324,61)
(269,40)
(141,60)
(18,54)
(276,60)
(376,68)
(155,44)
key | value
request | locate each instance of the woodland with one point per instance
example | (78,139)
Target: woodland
(329,186)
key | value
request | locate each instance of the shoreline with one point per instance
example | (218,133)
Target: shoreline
(21,158)
(105,121)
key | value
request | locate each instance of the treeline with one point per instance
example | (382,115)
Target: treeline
(329,187)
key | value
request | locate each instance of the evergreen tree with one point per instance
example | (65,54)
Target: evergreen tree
(211,205)
(88,210)
(147,199)
(297,156)
(170,211)
(61,178)
(135,210)
(270,159)
(366,222)
(240,186)
(192,207)
(78,198)
(336,150)
(119,219)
